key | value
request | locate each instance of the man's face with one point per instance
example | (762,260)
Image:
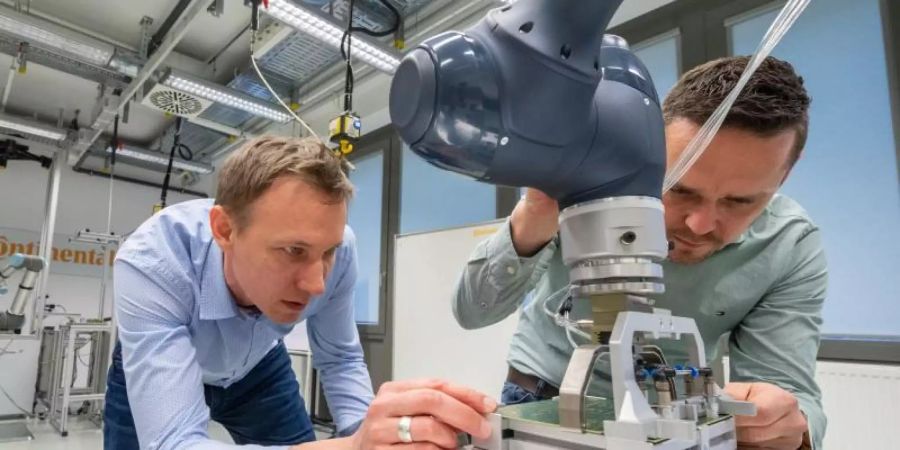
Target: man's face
(725,190)
(282,256)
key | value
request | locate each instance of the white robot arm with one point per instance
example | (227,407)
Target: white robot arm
(11,320)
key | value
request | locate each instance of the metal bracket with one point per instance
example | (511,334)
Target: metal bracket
(495,441)
(728,405)
(575,384)
(146,36)
(217,8)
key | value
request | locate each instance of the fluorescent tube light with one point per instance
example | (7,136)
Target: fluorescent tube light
(43,33)
(224,96)
(160,159)
(34,128)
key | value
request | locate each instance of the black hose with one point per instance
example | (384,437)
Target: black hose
(115,144)
(387,32)
(348,77)
(183,151)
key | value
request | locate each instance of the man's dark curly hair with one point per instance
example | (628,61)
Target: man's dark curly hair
(773,100)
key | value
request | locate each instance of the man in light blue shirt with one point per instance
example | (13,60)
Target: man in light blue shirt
(205,291)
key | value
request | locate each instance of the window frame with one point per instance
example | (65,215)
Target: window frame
(383,139)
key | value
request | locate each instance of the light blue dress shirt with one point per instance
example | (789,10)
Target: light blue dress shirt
(180,328)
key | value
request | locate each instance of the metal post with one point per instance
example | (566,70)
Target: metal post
(46,248)
(106,263)
(68,366)
(9,82)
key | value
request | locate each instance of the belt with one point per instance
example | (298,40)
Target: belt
(537,386)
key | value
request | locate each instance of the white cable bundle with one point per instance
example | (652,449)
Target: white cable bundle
(698,144)
(275,94)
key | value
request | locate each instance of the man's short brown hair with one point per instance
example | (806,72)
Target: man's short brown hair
(773,100)
(249,171)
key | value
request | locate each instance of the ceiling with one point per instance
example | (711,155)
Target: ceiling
(213,48)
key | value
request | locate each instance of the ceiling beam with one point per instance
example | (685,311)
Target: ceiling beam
(448,15)
(178,31)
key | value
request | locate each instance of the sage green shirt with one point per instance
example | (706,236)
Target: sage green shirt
(766,289)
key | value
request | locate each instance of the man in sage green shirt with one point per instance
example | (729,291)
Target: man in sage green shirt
(745,260)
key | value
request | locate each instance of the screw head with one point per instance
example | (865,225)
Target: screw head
(628,237)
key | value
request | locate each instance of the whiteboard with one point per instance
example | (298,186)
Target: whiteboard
(427,340)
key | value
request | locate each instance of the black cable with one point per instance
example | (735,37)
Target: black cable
(115,144)
(182,151)
(346,56)
(185,152)
(387,32)
(254,15)
(348,78)
(566,306)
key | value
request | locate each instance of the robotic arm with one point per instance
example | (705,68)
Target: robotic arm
(536,95)
(12,319)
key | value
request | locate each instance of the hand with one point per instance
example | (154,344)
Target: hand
(778,423)
(439,410)
(534,222)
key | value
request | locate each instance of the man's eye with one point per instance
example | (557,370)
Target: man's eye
(293,251)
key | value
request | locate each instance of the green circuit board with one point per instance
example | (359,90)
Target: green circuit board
(547,412)
(597,410)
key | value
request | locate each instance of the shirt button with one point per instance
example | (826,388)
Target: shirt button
(510,270)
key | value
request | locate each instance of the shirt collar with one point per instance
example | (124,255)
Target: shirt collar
(741,238)
(216,301)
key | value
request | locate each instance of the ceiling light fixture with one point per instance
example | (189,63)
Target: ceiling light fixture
(160,159)
(46,34)
(33,128)
(225,96)
(329,32)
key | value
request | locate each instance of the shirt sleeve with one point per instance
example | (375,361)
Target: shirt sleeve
(336,350)
(495,280)
(163,379)
(777,342)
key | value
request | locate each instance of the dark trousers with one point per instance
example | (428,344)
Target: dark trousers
(513,394)
(264,408)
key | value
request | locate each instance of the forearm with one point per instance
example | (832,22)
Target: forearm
(495,280)
(209,444)
(534,222)
(530,233)
(349,393)
(328,444)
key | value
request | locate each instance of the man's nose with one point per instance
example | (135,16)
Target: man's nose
(311,278)
(702,220)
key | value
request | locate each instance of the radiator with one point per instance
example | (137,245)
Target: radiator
(862,403)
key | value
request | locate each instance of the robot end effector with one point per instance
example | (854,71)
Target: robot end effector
(12,319)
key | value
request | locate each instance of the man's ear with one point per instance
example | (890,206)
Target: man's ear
(223,227)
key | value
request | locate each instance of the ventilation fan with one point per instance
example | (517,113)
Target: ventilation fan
(172,101)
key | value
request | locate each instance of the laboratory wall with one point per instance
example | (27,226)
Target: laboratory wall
(77,269)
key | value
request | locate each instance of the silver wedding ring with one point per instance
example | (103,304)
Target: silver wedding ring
(403,429)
